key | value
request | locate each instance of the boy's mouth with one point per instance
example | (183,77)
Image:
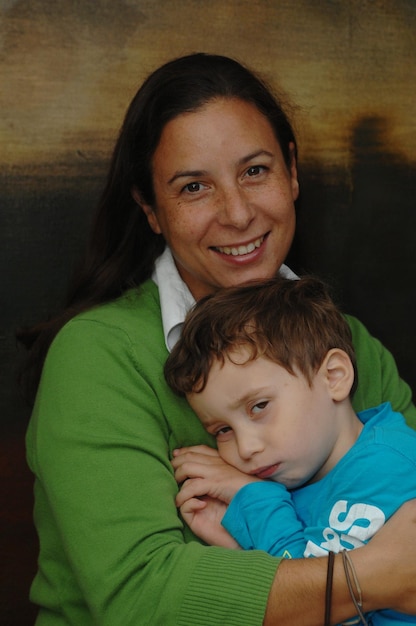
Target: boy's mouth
(266,472)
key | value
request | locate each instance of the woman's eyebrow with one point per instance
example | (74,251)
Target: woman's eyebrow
(256,154)
(197,173)
(187,174)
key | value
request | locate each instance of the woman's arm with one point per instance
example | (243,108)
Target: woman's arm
(113,548)
(385,568)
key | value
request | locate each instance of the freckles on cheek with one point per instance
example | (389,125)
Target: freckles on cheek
(180,215)
(174,218)
(184,223)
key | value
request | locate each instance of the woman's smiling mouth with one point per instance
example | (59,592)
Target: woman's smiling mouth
(240,250)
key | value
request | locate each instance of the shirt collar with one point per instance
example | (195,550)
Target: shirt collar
(176,299)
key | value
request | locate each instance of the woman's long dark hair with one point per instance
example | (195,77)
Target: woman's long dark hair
(122,248)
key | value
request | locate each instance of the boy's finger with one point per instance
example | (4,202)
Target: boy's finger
(202,449)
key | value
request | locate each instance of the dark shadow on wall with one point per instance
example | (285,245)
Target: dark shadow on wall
(357,228)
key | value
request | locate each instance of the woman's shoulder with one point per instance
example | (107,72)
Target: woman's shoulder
(135,311)
(132,319)
(138,303)
(360,332)
(378,377)
(369,350)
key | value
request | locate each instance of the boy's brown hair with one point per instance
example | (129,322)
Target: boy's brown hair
(291,322)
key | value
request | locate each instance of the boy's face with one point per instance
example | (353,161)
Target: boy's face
(270,423)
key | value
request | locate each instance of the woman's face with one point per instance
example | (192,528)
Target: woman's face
(224,197)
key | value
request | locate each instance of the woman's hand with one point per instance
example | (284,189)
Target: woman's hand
(203,473)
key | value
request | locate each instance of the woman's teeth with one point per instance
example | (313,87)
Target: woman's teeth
(240,250)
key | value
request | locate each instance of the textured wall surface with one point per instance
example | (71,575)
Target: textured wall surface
(68,70)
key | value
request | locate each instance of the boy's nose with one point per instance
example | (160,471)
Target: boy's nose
(248,446)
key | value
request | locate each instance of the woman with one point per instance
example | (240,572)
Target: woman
(205,163)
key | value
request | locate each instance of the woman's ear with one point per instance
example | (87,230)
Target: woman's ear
(293,170)
(338,372)
(147,210)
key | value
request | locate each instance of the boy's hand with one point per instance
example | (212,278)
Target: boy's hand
(203,473)
(203,516)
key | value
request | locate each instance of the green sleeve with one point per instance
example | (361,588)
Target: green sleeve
(113,549)
(378,378)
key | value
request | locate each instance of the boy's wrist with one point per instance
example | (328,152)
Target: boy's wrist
(239,483)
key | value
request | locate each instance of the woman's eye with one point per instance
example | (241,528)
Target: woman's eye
(260,406)
(192,187)
(255,170)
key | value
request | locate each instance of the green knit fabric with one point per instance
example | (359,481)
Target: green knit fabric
(113,550)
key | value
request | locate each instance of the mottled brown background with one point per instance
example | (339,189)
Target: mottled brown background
(68,70)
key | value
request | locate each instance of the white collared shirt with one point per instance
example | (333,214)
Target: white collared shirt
(176,299)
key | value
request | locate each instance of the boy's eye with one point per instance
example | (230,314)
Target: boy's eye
(259,406)
(223,430)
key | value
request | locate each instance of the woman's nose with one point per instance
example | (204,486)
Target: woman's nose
(236,210)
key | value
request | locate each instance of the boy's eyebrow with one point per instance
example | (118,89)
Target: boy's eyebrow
(197,173)
(212,420)
(247,396)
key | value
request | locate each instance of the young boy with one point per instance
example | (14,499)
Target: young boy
(269,368)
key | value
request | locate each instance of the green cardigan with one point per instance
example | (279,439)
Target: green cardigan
(113,550)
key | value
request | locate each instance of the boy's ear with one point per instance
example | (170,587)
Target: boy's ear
(338,372)
(147,210)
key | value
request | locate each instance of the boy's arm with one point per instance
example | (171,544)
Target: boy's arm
(261,516)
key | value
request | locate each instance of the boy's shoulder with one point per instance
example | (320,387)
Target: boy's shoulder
(388,428)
